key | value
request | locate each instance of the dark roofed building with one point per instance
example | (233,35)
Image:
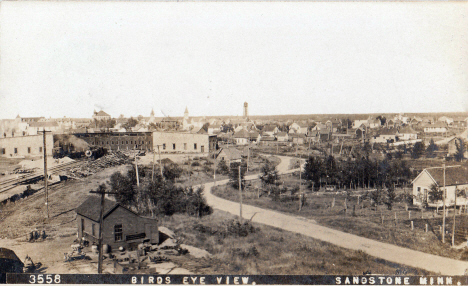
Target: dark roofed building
(9,262)
(122,227)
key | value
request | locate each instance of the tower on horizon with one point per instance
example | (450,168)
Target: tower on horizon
(246,109)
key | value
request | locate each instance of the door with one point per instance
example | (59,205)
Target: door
(202,148)
(151,231)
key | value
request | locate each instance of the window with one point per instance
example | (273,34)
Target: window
(82,226)
(173,146)
(195,146)
(3,151)
(118,234)
(126,142)
(40,149)
(185,146)
(131,142)
(16,150)
(29,150)
(164,146)
(93,230)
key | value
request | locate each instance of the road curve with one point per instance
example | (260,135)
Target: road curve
(389,252)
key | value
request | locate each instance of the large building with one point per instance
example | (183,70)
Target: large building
(25,146)
(119,140)
(169,142)
(178,142)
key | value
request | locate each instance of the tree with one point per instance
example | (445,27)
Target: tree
(234,175)
(382,119)
(390,196)
(430,151)
(222,167)
(269,174)
(435,194)
(460,153)
(418,150)
(132,122)
(124,186)
(313,171)
(172,171)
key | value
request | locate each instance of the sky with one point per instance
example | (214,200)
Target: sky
(70,58)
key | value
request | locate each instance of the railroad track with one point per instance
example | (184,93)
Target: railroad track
(6,185)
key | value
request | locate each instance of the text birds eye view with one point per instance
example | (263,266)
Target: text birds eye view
(331,194)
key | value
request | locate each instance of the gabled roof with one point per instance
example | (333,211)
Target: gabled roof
(242,134)
(9,254)
(102,113)
(407,130)
(437,124)
(269,128)
(281,134)
(91,208)
(388,131)
(231,153)
(453,176)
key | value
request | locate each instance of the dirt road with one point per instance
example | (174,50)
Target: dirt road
(389,252)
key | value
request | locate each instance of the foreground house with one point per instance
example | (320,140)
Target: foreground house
(230,155)
(122,227)
(455,178)
(9,262)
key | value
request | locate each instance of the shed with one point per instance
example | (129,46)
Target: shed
(121,226)
(9,262)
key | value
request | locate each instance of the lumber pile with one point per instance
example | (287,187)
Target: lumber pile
(113,158)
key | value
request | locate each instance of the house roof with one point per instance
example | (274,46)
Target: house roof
(102,113)
(453,176)
(269,128)
(407,130)
(437,124)
(9,254)
(44,124)
(91,208)
(231,153)
(388,131)
(281,134)
(242,134)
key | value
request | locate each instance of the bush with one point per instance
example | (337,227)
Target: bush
(195,164)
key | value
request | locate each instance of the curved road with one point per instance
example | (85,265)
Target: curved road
(389,252)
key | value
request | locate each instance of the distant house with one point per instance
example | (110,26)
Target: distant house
(242,137)
(270,129)
(374,123)
(385,135)
(34,127)
(407,133)
(121,226)
(101,115)
(230,155)
(358,122)
(445,119)
(282,136)
(298,138)
(298,128)
(437,127)
(455,178)
(267,139)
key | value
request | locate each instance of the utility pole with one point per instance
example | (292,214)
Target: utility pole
(300,187)
(454,216)
(46,183)
(136,168)
(214,169)
(240,194)
(248,157)
(160,164)
(102,192)
(152,173)
(443,197)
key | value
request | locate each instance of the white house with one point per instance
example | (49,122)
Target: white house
(438,127)
(455,178)
(407,133)
(386,135)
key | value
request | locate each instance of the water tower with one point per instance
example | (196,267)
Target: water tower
(246,109)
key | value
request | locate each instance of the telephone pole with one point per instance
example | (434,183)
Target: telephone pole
(443,198)
(102,192)
(46,183)
(300,186)
(240,194)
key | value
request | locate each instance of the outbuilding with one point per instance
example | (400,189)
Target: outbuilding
(121,226)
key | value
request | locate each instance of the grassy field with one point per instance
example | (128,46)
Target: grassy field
(363,219)
(267,250)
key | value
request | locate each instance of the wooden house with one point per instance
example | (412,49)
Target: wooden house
(455,178)
(121,226)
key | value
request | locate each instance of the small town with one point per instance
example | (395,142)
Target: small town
(253,143)
(180,194)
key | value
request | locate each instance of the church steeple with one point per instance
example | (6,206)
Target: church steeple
(152,112)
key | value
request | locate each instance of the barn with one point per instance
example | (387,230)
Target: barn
(121,226)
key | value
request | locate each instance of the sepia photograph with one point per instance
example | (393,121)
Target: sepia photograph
(205,142)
